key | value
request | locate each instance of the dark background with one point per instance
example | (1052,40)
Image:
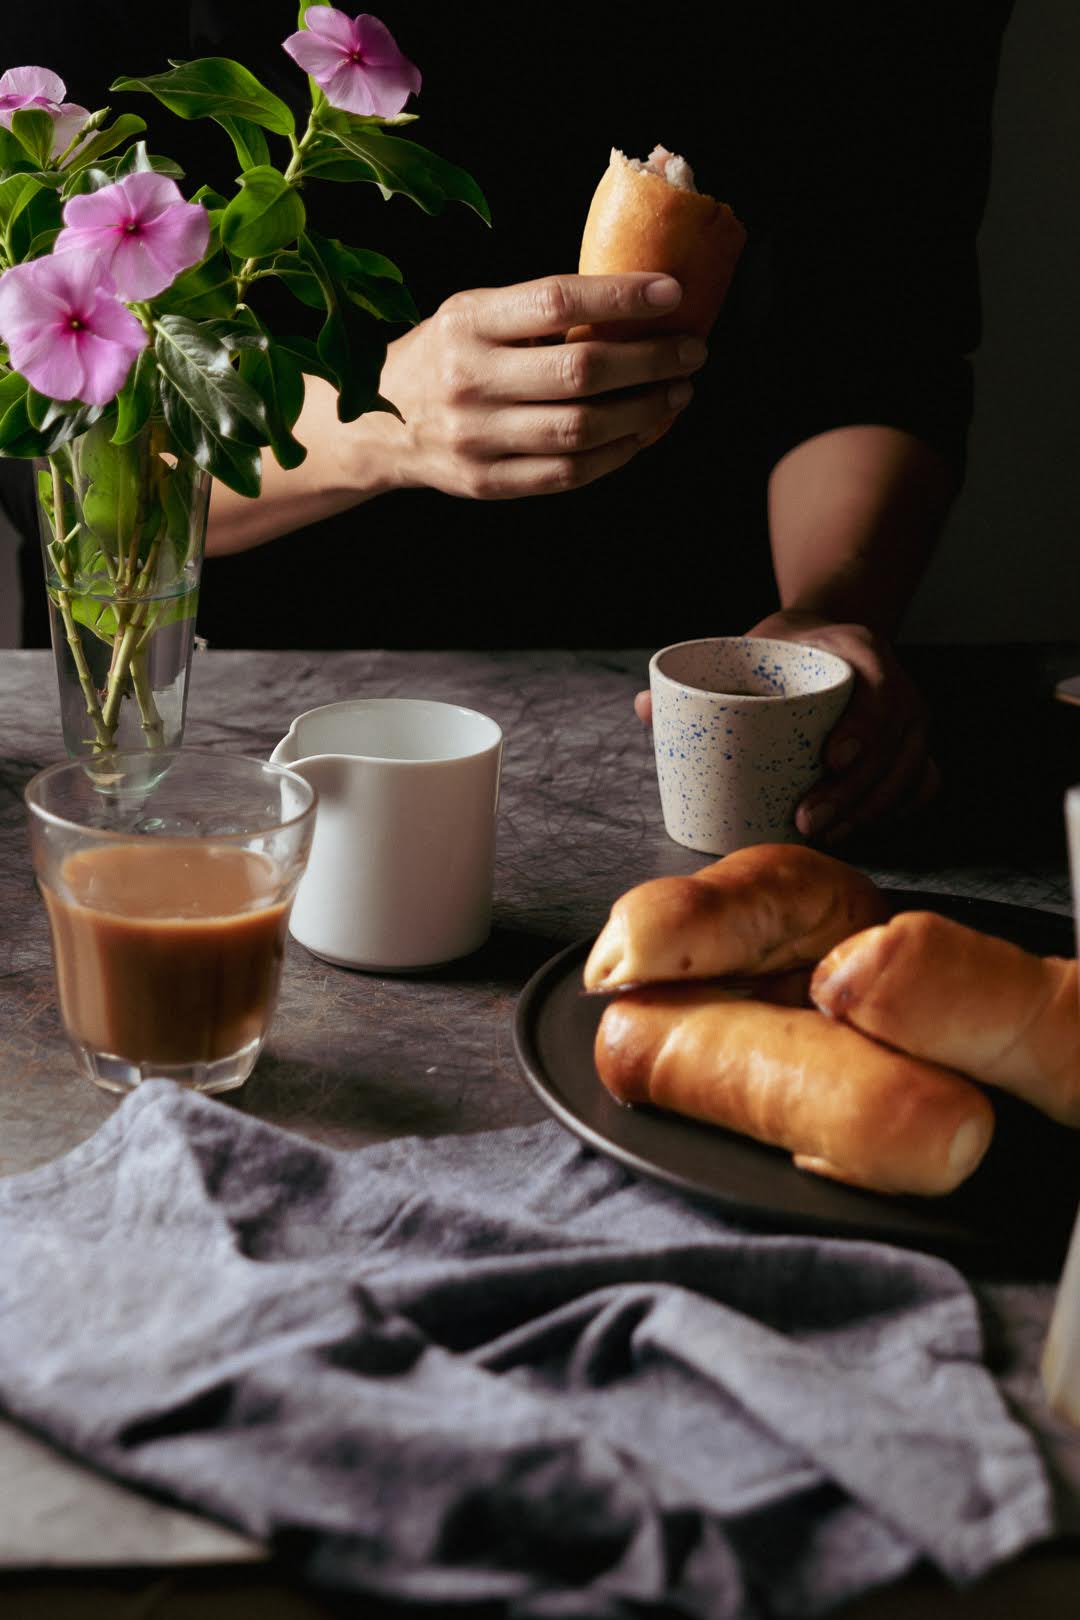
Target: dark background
(526,101)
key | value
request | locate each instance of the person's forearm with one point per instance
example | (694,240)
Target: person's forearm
(346,463)
(854,515)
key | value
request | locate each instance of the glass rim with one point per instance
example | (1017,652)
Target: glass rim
(64,822)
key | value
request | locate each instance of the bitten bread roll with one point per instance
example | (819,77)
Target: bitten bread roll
(763,909)
(954,995)
(844,1106)
(650,216)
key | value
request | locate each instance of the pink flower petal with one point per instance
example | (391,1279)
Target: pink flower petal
(52,364)
(106,366)
(365,91)
(144,264)
(315,56)
(138,272)
(66,125)
(141,229)
(32,83)
(112,320)
(72,338)
(100,241)
(97,210)
(333,25)
(77,283)
(148,193)
(25,303)
(379,48)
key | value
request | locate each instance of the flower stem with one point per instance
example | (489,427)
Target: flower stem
(103,734)
(152,724)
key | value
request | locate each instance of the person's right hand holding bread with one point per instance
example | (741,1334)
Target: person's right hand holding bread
(497,406)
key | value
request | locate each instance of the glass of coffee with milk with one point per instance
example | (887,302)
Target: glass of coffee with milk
(168,894)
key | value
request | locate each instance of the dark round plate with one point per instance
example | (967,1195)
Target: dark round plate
(1014,1216)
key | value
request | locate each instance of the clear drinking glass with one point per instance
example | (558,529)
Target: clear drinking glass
(168,891)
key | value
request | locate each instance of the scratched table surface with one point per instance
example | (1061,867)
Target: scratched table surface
(353,1057)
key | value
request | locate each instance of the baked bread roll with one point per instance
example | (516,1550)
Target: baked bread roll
(956,996)
(650,216)
(844,1106)
(763,909)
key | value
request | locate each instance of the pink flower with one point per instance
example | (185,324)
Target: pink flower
(354,61)
(37,87)
(66,331)
(140,230)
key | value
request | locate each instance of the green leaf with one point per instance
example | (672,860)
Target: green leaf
(302,282)
(307,357)
(277,379)
(44,413)
(12,155)
(34,130)
(400,165)
(35,229)
(248,139)
(211,200)
(106,140)
(113,483)
(135,400)
(206,291)
(371,281)
(42,243)
(239,333)
(350,342)
(18,435)
(327,159)
(215,87)
(15,193)
(267,214)
(215,415)
(137,160)
(237,465)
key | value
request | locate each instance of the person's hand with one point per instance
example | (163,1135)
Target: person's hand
(876,758)
(495,406)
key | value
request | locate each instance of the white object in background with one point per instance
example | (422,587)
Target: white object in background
(738,727)
(1061,1357)
(402,864)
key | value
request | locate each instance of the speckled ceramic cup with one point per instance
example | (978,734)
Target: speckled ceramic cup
(738,725)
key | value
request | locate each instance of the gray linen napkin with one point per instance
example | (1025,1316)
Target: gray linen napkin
(499,1369)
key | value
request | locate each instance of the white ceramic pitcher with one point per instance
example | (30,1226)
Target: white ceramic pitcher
(401,871)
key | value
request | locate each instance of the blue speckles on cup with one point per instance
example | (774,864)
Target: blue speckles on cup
(738,727)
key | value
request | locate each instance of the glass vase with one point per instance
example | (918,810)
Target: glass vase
(123,528)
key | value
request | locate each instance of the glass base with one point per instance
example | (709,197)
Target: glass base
(119,1074)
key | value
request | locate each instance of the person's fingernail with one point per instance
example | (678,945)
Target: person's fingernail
(679,394)
(664,290)
(813,821)
(692,353)
(844,753)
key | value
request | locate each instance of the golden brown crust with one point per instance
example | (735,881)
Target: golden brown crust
(932,987)
(843,1105)
(764,909)
(637,221)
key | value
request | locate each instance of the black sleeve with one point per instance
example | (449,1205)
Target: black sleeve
(867,285)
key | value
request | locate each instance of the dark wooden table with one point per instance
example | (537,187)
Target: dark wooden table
(355,1057)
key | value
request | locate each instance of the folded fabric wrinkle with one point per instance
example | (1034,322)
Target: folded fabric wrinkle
(498,1369)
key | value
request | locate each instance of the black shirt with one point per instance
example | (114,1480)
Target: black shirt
(853,140)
